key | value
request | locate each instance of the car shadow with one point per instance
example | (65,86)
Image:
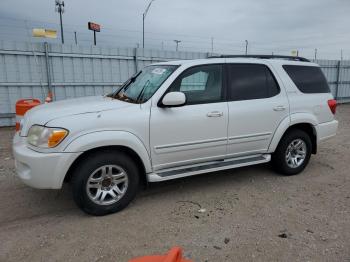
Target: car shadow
(207,180)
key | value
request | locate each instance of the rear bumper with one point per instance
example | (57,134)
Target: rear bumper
(40,170)
(326,130)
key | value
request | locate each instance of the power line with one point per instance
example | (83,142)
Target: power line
(126,37)
(308,37)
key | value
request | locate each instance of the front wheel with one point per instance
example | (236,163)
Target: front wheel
(105,182)
(293,153)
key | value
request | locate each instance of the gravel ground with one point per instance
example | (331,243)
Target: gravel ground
(249,214)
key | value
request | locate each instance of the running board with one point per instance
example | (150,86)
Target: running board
(173,173)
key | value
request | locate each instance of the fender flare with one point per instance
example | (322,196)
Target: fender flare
(293,119)
(111,138)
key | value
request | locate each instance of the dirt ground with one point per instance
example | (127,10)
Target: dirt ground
(249,214)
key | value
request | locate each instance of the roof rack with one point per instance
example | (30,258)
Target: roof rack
(294,58)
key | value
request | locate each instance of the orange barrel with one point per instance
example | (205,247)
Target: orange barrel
(174,255)
(22,106)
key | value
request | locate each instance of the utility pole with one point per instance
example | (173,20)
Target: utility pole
(177,44)
(212,44)
(75,38)
(143,23)
(60,9)
(315,53)
(246,47)
(162,45)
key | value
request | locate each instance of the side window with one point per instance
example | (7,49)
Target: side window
(200,84)
(308,79)
(196,81)
(273,88)
(251,81)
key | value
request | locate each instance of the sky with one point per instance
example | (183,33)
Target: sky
(221,26)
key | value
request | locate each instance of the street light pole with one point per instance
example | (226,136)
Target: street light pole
(143,30)
(341,54)
(143,23)
(246,47)
(61,27)
(60,9)
(177,44)
(315,53)
(75,37)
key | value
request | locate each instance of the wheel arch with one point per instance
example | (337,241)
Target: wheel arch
(113,141)
(310,130)
(307,125)
(126,150)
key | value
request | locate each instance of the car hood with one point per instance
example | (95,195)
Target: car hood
(44,113)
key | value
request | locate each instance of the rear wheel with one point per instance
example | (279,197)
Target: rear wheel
(293,153)
(105,182)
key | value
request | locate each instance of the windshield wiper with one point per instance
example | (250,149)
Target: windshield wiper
(126,85)
(140,96)
(131,80)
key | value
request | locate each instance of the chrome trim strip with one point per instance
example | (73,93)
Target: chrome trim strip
(191,143)
(249,136)
(236,141)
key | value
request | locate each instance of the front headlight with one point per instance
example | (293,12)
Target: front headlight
(46,137)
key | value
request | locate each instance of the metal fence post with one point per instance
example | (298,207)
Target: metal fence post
(337,81)
(48,71)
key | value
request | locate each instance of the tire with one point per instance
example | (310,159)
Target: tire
(288,166)
(100,175)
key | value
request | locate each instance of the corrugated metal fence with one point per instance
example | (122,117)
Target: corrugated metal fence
(338,75)
(28,69)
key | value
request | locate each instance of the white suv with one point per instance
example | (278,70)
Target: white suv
(177,119)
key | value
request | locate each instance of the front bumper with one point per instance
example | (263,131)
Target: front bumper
(40,170)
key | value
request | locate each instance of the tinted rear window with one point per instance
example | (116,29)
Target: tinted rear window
(308,79)
(251,81)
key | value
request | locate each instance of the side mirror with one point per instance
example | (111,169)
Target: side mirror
(174,99)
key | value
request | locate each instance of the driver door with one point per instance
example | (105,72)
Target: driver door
(197,131)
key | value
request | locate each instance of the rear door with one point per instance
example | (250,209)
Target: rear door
(257,104)
(309,91)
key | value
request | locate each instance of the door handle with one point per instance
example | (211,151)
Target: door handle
(279,108)
(215,114)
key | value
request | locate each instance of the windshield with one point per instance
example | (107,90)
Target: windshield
(143,85)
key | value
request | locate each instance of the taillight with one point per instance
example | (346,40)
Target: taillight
(332,103)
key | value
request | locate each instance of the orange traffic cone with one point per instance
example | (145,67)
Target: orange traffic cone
(49,97)
(22,106)
(174,255)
